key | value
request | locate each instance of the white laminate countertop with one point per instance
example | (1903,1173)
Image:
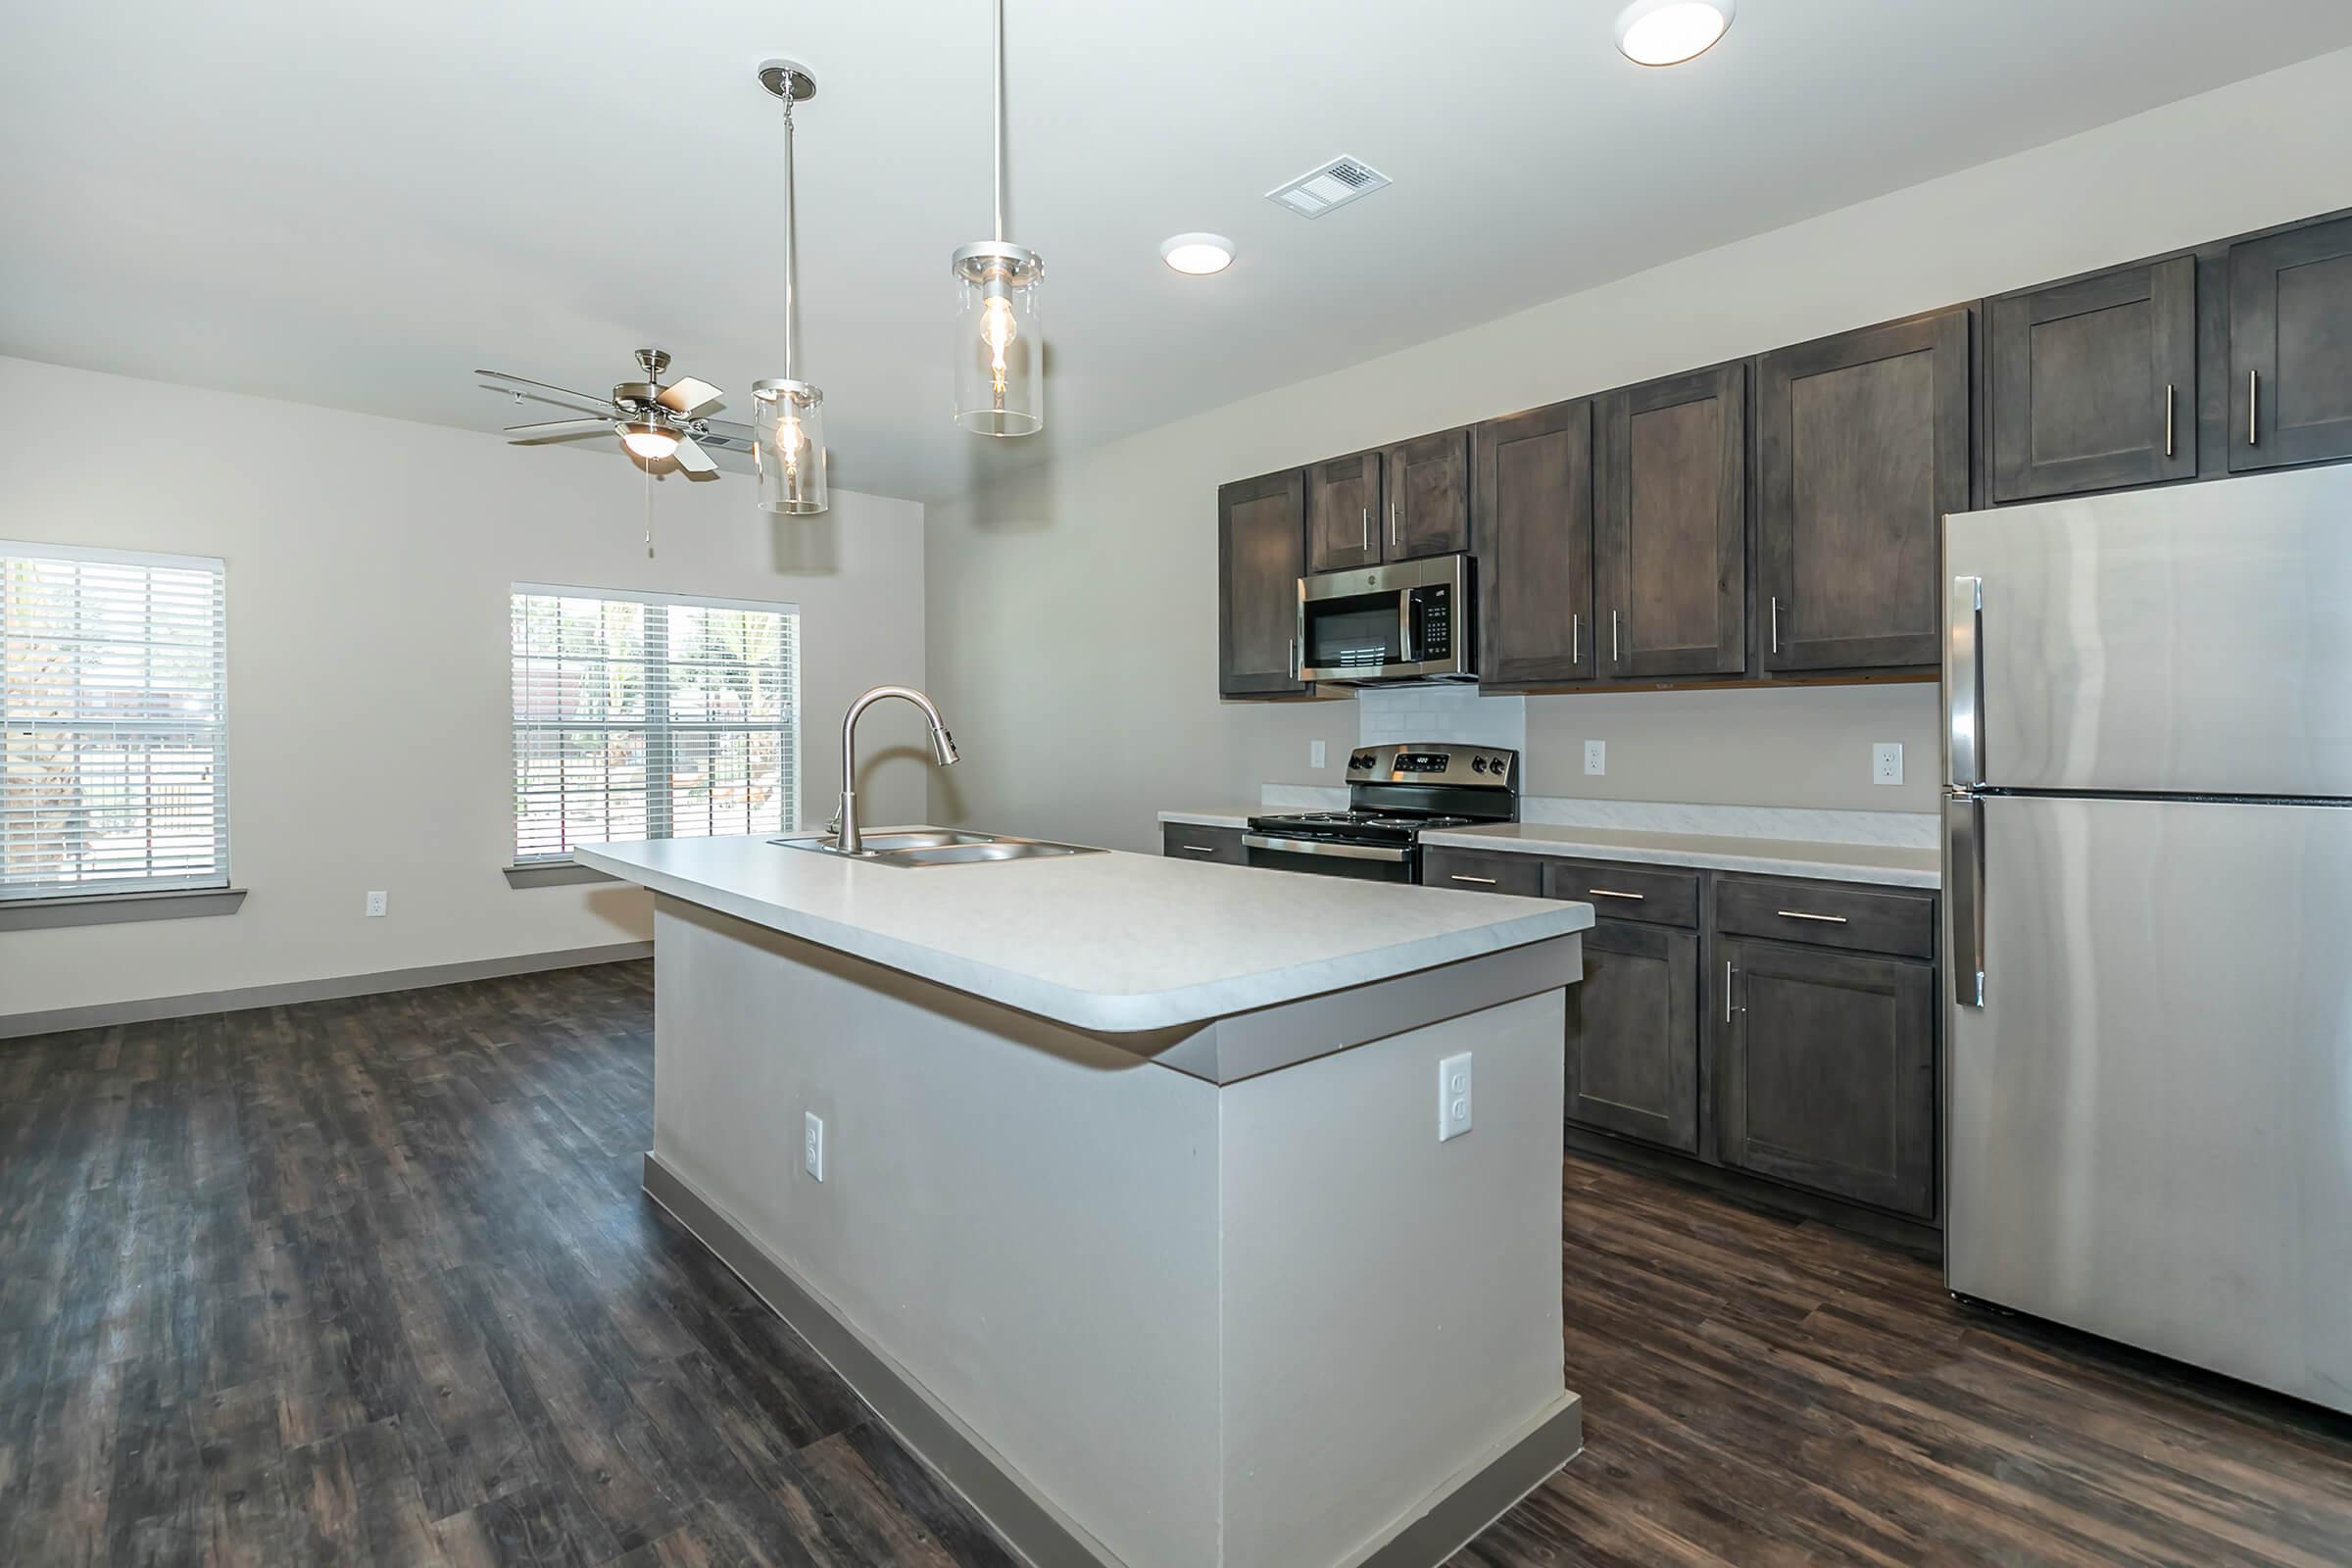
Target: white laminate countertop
(1887,864)
(1111,942)
(1217,816)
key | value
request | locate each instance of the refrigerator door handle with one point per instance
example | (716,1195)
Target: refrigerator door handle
(1964,826)
(1963,680)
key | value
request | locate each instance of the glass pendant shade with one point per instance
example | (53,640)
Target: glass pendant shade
(788,441)
(999,340)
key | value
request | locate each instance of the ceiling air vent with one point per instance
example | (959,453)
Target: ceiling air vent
(1335,184)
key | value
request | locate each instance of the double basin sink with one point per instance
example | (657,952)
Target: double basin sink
(934,847)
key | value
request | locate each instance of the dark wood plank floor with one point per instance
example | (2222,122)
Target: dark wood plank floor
(372,1281)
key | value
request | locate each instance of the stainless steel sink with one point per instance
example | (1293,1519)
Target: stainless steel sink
(934,847)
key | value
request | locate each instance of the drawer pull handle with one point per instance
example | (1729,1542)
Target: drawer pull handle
(1198,849)
(1482,881)
(1800,914)
(1613,892)
(1729,974)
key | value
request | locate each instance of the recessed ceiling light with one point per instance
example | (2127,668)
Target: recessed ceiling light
(1667,33)
(1197,254)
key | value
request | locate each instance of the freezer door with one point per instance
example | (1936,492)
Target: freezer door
(2189,640)
(2150,1124)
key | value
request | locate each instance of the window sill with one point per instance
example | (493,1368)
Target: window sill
(554,874)
(115,909)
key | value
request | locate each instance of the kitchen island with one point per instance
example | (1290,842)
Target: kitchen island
(1129,1211)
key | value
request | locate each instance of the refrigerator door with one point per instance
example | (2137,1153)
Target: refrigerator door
(2150,1128)
(2193,639)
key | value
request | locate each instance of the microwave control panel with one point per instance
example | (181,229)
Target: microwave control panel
(1433,609)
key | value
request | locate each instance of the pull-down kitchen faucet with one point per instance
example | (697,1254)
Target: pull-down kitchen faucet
(846,838)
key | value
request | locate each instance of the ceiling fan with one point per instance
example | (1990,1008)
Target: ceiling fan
(652,421)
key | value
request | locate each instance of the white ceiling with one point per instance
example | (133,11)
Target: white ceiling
(354,205)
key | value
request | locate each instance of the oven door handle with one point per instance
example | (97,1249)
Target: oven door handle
(1345,851)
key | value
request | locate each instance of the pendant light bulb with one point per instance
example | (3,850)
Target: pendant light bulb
(788,433)
(1000,346)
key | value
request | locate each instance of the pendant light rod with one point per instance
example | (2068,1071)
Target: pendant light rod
(1000,124)
(792,254)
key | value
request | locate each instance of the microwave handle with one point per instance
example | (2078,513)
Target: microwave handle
(1405,651)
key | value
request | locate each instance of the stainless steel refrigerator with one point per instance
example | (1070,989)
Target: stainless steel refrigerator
(2148,887)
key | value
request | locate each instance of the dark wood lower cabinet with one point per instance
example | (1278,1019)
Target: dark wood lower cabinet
(1825,1075)
(1632,1035)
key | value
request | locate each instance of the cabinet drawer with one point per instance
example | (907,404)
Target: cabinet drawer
(1182,841)
(1483,873)
(1626,893)
(1827,914)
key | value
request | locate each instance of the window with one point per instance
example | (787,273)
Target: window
(113,677)
(650,717)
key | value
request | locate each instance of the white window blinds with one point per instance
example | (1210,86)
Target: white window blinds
(112,675)
(650,717)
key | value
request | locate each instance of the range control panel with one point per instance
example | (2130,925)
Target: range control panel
(1433,763)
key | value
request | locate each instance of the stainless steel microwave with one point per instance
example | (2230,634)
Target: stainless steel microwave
(1409,620)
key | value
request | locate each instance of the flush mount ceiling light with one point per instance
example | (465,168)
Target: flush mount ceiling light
(787,420)
(1197,254)
(1667,33)
(1000,361)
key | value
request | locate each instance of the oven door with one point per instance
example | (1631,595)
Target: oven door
(1406,622)
(1365,862)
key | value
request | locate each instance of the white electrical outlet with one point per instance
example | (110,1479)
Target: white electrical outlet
(1314,753)
(813,1144)
(1596,756)
(379,904)
(1887,762)
(1453,1096)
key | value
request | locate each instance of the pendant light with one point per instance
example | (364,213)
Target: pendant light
(1000,361)
(788,428)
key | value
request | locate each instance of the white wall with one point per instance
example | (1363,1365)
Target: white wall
(1073,608)
(370,741)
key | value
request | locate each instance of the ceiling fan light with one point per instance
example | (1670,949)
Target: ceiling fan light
(788,443)
(647,440)
(1667,33)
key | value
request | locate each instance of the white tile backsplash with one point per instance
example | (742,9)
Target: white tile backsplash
(1386,715)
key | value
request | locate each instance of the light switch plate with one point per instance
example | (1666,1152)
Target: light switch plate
(1314,753)
(1453,1096)
(1887,762)
(1596,756)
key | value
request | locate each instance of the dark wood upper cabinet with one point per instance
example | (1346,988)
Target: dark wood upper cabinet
(1262,551)
(2291,347)
(1426,491)
(1342,509)
(1533,539)
(1862,447)
(1825,1076)
(2094,382)
(1632,1035)
(1670,526)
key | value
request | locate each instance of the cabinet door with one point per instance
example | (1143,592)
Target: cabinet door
(1532,523)
(2094,382)
(1426,484)
(1862,445)
(1343,498)
(1670,526)
(1632,1035)
(1825,1073)
(1261,550)
(1190,841)
(2291,347)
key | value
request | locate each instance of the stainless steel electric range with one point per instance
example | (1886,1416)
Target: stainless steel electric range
(1394,793)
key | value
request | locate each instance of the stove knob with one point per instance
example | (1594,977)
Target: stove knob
(1359,760)
(1478,764)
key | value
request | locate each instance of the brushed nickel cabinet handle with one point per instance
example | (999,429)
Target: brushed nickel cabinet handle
(1800,914)
(2168,419)
(1776,623)
(1364,536)
(1395,533)
(1482,881)
(2253,408)
(1293,659)
(1198,848)
(1616,640)
(1613,892)
(1728,1008)
(1576,638)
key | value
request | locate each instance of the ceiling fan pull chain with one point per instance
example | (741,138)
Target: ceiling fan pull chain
(649,512)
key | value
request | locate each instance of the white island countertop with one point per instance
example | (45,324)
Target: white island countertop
(1109,941)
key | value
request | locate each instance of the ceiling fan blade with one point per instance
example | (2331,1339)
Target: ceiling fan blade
(688,396)
(557,427)
(588,398)
(725,442)
(692,459)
